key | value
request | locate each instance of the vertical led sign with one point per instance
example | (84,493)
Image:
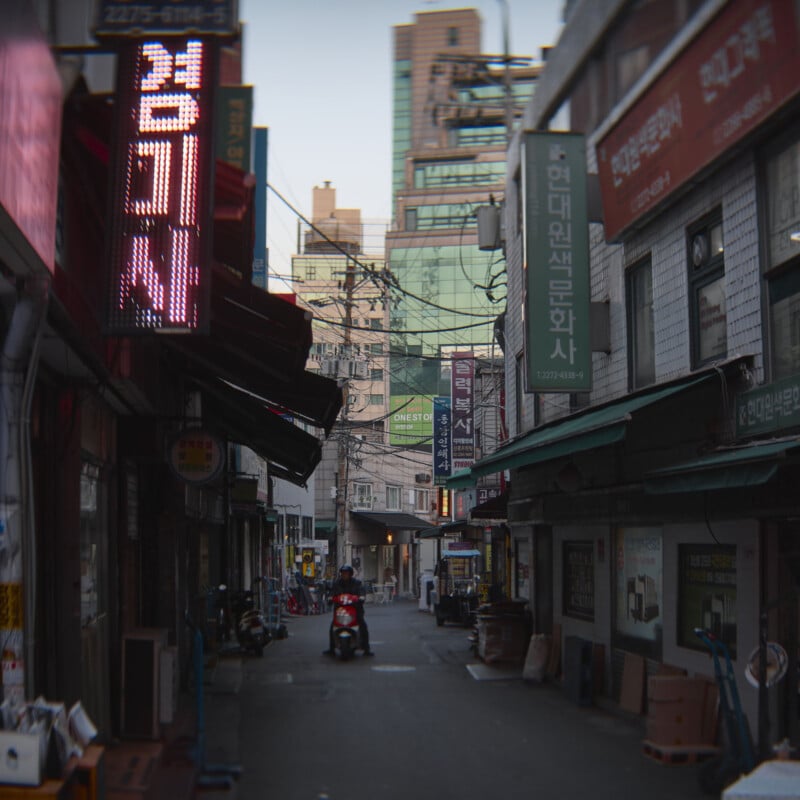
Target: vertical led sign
(160,242)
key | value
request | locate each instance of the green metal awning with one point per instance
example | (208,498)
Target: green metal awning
(461,480)
(596,427)
(732,468)
(325,526)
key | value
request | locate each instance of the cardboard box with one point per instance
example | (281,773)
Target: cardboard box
(678,710)
(22,757)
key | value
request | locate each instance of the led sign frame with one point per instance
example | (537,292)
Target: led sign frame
(162,187)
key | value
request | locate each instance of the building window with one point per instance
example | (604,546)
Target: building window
(708,317)
(782,189)
(641,333)
(311,272)
(308,528)
(293,528)
(376,399)
(411,219)
(362,495)
(452,37)
(784,323)
(578,586)
(376,323)
(707,594)
(376,374)
(393,498)
(630,65)
(422,501)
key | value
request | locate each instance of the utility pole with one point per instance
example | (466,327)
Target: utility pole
(342,555)
(509,118)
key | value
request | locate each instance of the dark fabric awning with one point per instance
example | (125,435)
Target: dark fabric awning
(732,468)
(260,342)
(593,428)
(493,508)
(393,520)
(292,453)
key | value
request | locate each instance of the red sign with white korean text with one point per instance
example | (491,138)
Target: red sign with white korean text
(737,72)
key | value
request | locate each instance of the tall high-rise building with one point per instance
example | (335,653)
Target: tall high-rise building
(453,111)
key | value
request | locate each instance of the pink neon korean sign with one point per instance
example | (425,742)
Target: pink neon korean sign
(160,241)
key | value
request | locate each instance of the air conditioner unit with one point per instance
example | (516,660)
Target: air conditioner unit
(422,477)
(141,664)
(168,685)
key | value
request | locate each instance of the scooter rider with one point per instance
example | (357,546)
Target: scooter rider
(347,584)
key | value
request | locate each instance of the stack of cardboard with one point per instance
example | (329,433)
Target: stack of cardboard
(682,712)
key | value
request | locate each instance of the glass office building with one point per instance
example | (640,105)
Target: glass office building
(451,109)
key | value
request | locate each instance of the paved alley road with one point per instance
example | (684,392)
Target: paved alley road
(413,722)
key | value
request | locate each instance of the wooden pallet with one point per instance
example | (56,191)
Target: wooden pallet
(678,754)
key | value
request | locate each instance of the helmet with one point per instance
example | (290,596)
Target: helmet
(346,568)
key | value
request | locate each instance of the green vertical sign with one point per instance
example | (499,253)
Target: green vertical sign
(558,356)
(233,121)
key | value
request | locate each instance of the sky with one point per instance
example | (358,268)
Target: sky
(322,77)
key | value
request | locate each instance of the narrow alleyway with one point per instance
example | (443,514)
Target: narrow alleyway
(416,721)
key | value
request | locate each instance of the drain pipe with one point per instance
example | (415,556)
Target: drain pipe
(18,366)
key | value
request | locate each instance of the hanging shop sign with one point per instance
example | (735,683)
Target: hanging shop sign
(769,408)
(196,456)
(462,393)
(734,75)
(233,125)
(442,440)
(556,260)
(161,232)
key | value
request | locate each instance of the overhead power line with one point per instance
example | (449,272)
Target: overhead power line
(389,281)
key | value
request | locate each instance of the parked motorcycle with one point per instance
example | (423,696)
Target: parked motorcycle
(346,636)
(252,630)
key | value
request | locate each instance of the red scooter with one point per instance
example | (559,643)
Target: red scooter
(346,638)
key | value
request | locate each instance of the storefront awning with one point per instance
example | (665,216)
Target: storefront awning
(260,342)
(493,508)
(732,468)
(393,520)
(291,452)
(596,427)
(324,526)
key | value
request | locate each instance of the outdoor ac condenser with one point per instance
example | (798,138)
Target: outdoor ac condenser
(141,664)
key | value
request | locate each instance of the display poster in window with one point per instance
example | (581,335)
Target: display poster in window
(639,583)
(712,320)
(707,594)
(578,589)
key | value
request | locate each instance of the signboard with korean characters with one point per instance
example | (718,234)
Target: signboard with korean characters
(558,354)
(738,71)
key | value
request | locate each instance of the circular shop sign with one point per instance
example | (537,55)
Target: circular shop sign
(196,456)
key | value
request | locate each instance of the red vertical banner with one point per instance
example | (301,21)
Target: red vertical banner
(462,392)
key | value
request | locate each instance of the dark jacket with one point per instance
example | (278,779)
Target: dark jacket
(351,586)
